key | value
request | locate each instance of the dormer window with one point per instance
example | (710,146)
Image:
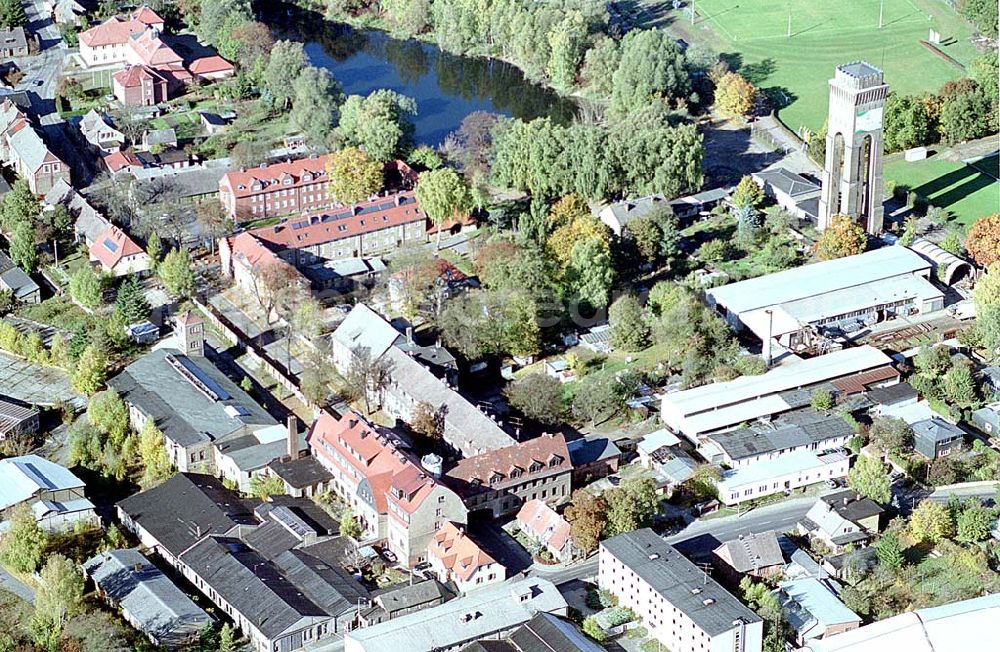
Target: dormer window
(535,467)
(496,478)
(555,461)
(515,472)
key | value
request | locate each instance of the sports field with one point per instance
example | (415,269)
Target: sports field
(823,33)
(968,191)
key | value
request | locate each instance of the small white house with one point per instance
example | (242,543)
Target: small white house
(790,471)
(560,370)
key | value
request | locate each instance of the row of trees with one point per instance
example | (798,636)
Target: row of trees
(961,110)
(623,509)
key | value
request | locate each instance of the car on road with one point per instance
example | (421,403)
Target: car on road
(38,82)
(833,484)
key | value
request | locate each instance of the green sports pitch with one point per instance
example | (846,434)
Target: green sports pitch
(791,47)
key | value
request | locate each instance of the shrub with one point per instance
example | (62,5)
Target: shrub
(592,629)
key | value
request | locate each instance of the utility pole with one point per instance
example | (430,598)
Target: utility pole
(789,25)
(881,5)
(692,12)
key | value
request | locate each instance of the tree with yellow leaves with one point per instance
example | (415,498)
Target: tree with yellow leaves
(734,95)
(844,237)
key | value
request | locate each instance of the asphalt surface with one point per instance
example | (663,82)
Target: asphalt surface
(13,585)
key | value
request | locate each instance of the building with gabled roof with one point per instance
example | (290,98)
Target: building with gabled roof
(756,554)
(54,495)
(25,151)
(935,437)
(118,254)
(244,259)
(842,518)
(13,42)
(100,133)
(140,85)
(147,599)
(804,429)
(17,282)
(455,557)
(392,496)
(813,610)
(543,633)
(489,613)
(502,480)
(545,526)
(467,430)
(681,606)
(273,189)
(16,418)
(799,468)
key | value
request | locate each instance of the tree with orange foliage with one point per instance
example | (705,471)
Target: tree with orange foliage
(844,237)
(983,241)
(734,95)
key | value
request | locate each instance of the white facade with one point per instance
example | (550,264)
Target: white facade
(666,623)
(784,473)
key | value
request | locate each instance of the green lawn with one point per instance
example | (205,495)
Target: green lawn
(968,191)
(825,34)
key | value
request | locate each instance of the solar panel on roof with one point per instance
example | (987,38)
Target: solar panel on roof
(197,377)
(110,245)
(300,225)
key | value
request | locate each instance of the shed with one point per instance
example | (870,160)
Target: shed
(948,267)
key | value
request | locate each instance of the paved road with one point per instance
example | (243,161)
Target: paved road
(46,66)
(10,583)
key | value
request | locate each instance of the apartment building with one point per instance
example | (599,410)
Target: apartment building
(274,189)
(394,499)
(678,602)
(500,481)
(790,471)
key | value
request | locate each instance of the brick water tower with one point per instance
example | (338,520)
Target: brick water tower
(852,176)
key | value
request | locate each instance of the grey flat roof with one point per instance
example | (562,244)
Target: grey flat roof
(587,450)
(147,596)
(479,614)
(803,429)
(680,582)
(184,413)
(817,279)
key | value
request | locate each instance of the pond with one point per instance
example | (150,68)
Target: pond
(446,87)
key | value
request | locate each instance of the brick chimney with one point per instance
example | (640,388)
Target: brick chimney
(293,437)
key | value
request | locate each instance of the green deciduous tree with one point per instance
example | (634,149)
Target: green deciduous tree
(651,64)
(153,455)
(107,412)
(284,65)
(596,397)
(966,116)
(22,545)
(263,487)
(538,397)
(566,41)
(590,272)
(19,205)
(60,591)
(23,251)
(381,123)
(12,14)
(90,372)
(349,526)
(748,193)
(631,506)
(176,273)
(868,478)
(353,175)
(891,434)
(821,400)
(86,287)
(907,123)
(316,96)
(931,522)
(599,65)
(444,195)
(629,331)
(491,323)
(975,523)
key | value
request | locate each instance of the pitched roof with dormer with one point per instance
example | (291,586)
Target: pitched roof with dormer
(288,174)
(542,456)
(457,551)
(354,445)
(544,523)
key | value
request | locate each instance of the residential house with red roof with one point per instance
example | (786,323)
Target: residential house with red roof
(117,162)
(140,85)
(109,42)
(394,499)
(547,528)
(119,254)
(274,189)
(454,556)
(501,480)
(368,228)
(23,149)
(243,259)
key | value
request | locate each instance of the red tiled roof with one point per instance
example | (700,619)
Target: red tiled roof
(392,475)
(206,65)
(240,183)
(457,552)
(446,271)
(548,451)
(112,246)
(544,523)
(343,222)
(249,250)
(113,31)
(132,76)
(147,16)
(153,50)
(120,160)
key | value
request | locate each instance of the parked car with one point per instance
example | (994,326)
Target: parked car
(389,556)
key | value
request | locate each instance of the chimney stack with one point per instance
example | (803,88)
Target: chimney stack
(293,437)
(767,340)
(409,334)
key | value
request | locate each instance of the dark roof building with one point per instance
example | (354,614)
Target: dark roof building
(543,633)
(801,429)
(755,554)
(19,284)
(652,578)
(935,437)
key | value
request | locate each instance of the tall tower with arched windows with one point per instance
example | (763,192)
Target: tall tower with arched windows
(852,176)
